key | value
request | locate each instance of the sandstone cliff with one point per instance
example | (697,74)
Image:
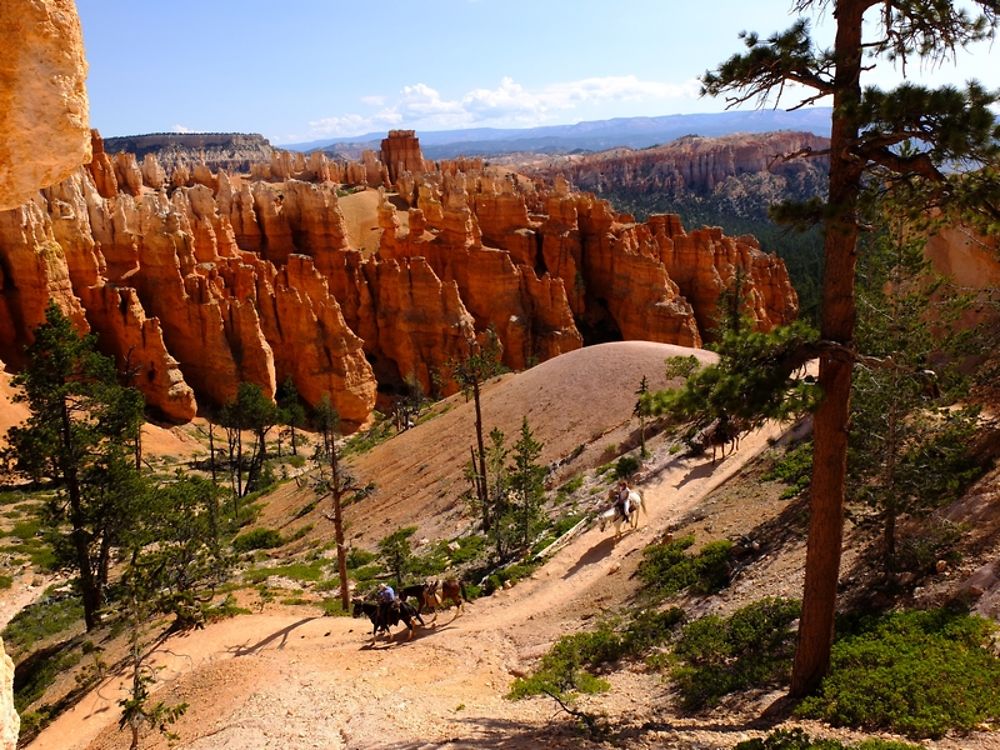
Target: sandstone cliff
(200,281)
(44,133)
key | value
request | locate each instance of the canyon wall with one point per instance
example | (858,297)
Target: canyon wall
(197,279)
(693,163)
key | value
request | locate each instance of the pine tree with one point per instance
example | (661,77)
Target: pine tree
(909,448)
(527,483)
(291,412)
(869,128)
(79,434)
(481,364)
(339,484)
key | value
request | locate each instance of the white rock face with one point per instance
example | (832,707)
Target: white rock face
(44,120)
(10,723)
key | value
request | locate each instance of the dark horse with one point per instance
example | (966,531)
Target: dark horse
(402,612)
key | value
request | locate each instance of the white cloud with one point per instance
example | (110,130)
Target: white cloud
(181,129)
(509,104)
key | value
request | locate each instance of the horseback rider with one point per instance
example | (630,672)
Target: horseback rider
(387,601)
(623,499)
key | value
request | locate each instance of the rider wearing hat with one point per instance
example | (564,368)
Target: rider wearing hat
(622,499)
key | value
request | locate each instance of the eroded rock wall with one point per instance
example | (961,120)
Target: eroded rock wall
(202,279)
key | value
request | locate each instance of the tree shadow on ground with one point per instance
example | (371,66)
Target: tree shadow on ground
(701,471)
(561,731)
(281,635)
(596,552)
(399,638)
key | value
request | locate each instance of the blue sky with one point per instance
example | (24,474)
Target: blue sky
(309,69)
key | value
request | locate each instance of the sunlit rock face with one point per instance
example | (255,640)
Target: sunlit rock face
(44,132)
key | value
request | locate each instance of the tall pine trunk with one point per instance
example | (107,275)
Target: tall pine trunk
(826,519)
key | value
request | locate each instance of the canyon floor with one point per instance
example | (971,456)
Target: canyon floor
(288,678)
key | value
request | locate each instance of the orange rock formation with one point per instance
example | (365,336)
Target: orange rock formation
(196,280)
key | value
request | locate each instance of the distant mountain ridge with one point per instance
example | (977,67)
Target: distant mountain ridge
(597,135)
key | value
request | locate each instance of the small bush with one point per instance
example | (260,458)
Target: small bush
(359,557)
(296,571)
(753,647)
(569,665)
(626,467)
(920,673)
(794,469)
(53,614)
(571,486)
(306,509)
(6,582)
(796,739)
(666,570)
(257,539)
(366,573)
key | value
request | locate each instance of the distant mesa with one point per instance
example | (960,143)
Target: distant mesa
(352,278)
(226,151)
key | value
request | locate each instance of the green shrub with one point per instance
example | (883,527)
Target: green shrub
(626,466)
(571,486)
(751,648)
(51,615)
(666,570)
(36,673)
(359,557)
(257,539)
(920,673)
(6,582)
(469,548)
(366,572)
(26,529)
(796,739)
(296,571)
(569,665)
(794,469)
(305,510)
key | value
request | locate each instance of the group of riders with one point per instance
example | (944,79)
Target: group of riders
(388,600)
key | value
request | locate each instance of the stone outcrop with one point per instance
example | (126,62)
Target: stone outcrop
(10,722)
(44,133)
(400,152)
(200,279)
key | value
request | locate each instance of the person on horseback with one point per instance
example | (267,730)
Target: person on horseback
(387,601)
(622,500)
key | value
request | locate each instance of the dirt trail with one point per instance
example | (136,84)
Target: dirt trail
(289,681)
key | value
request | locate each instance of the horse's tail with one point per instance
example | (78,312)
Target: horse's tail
(461,590)
(642,502)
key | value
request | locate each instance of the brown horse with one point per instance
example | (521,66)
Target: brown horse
(453,590)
